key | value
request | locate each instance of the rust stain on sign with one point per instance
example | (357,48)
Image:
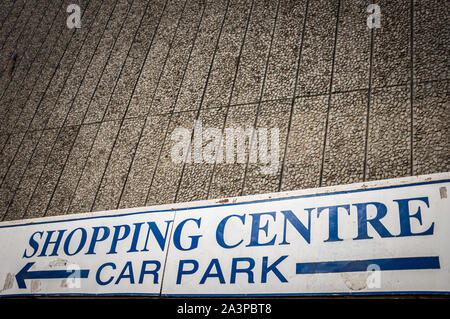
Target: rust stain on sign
(355,281)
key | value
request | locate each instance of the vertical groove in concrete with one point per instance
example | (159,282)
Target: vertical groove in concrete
(47,174)
(241,49)
(330,89)
(88,157)
(369,92)
(110,198)
(169,82)
(261,94)
(165,178)
(283,161)
(197,173)
(79,128)
(28,98)
(130,185)
(197,114)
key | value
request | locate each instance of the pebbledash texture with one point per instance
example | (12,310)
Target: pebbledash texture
(87,113)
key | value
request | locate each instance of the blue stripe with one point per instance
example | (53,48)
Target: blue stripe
(54,274)
(363,265)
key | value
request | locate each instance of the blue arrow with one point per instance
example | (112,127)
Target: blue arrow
(362,265)
(47,274)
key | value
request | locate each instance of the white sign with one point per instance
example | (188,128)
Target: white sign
(380,237)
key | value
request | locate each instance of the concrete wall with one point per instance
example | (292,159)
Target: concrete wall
(87,114)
